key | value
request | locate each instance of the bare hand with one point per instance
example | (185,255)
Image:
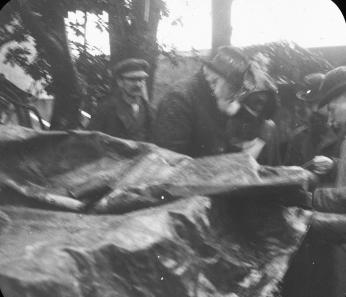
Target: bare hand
(322,165)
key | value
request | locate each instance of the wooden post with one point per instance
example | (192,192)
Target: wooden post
(146,10)
(221,23)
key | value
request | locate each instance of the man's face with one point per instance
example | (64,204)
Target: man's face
(132,86)
(223,92)
(337,111)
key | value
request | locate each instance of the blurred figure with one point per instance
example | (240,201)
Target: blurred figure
(194,118)
(252,131)
(320,266)
(191,119)
(311,142)
(333,200)
(126,113)
(333,97)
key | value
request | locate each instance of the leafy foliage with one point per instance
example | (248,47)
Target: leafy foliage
(17,55)
(287,62)
(95,80)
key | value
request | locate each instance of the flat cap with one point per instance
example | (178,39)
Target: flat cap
(131,68)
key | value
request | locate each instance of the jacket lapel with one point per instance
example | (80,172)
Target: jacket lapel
(125,115)
(123,112)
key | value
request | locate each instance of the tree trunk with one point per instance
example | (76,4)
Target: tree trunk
(221,23)
(85,32)
(118,31)
(147,17)
(49,33)
(135,38)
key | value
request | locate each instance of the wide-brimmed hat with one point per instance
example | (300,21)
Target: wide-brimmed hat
(333,85)
(245,75)
(131,68)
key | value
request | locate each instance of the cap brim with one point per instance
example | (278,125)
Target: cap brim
(328,97)
(135,74)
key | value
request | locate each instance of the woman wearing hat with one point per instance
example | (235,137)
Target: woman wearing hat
(192,116)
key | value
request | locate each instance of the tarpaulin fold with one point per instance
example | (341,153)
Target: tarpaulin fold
(80,170)
(216,226)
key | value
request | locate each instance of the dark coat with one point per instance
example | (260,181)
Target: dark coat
(189,122)
(319,268)
(333,201)
(312,140)
(115,117)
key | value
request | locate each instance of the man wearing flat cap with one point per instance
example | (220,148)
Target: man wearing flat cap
(193,117)
(126,113)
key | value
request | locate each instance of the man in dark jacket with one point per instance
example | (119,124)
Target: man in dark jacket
(126,113)
(193,119)
(332,200)
(322,142)
(315,138)
(319,269)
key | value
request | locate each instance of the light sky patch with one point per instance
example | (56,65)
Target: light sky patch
(310,23)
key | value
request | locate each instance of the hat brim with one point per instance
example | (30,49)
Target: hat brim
(306,97)
(135,74)
(329,96)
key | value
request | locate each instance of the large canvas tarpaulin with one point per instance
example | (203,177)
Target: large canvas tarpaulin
(140,220)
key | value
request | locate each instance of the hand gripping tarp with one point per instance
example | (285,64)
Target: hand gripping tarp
(141,220)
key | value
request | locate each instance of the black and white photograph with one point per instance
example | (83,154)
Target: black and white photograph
(172,148)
